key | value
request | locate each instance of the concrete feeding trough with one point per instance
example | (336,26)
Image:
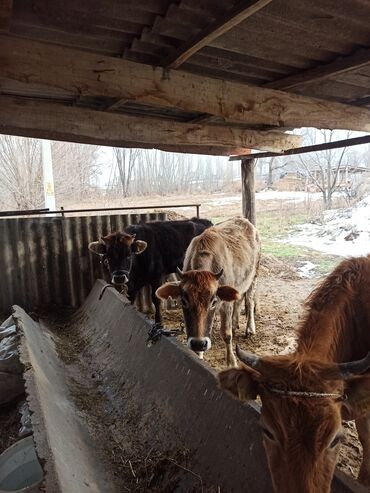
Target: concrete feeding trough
(20,470)
(100,386)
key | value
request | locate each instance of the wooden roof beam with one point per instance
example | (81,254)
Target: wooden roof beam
(241,11)
(113,128)
(6,7)
(365,139)
(321,72)
(31,62)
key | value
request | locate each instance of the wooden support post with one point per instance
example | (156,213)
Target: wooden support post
(248,193)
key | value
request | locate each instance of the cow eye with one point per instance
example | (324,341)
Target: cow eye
(106,262)
(336,440)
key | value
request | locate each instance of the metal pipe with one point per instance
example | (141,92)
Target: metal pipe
(23,212)
(103,209)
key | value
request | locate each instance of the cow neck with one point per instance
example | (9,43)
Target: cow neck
(327,335)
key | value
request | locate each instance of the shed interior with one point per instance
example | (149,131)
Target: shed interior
(186,75)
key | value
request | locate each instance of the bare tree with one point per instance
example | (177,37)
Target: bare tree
(323,168)
(20,173)
(124,161)
(75,167)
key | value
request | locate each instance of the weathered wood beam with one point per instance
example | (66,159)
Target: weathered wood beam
(112,128)
(86,74)
(241,11)
(60,136)
(6,7)
(248,192)
(339,66)
(338,144)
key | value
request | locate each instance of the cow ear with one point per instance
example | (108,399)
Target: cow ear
(168,290)
(227,293)
(239,383)
(97,247)
(139,246)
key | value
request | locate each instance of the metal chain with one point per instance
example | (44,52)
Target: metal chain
(156,331)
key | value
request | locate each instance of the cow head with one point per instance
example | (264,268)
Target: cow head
(200,293)
(303,403)
(118,251)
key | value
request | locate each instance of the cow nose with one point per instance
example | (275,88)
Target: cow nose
(120,277)
(199,344)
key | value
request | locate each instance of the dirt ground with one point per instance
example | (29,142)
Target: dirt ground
(281,294)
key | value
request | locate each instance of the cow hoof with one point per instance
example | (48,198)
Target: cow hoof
(249,333)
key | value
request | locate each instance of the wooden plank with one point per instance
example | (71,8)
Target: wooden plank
(241,11)
(329,70)
(305,149)
(67,137)
(6,7)
(112,128)
(98,75)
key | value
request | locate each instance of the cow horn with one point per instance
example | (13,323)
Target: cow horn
(180,272)
(248,359)
(219,274)
(352,368)
(101,240)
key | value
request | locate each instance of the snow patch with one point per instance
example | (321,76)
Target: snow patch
(343,232)
(306,269)
(295,197)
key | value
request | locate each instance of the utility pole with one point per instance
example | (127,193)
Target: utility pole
(47,168)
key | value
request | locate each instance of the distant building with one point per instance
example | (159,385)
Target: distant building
(349,178)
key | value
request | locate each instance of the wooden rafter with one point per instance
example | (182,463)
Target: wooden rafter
(241,11)
(6,7)
(131,130)
(339,66)
(365,139)
(30,62)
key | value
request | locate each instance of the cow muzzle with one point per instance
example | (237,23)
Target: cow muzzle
(120,277)
(199,344)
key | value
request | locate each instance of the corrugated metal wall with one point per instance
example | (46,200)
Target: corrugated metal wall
(45,261)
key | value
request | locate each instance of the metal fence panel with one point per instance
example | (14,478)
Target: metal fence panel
(45,260)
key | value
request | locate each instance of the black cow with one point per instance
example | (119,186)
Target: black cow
(144,253)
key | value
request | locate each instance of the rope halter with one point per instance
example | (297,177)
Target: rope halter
(305,394)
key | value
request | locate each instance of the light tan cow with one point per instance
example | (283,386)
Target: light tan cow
(220,268)
(306,394)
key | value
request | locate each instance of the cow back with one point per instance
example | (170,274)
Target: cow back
(167,243)
(233,246)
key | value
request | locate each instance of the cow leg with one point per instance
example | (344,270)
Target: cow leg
(363,429)
(156,302)
(250,307)
(226,311)
(236,312)
(132,294)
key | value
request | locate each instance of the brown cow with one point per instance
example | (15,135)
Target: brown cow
(306,394)
(232,249)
